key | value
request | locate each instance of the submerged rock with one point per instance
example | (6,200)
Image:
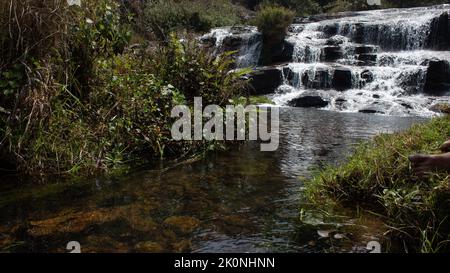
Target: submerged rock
(182,224)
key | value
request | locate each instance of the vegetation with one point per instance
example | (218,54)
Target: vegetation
(161,17)
(272,21)
(90,104)
(378,178)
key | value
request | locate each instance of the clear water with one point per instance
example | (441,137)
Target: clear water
(240,200)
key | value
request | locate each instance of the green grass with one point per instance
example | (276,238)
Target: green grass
(378,177)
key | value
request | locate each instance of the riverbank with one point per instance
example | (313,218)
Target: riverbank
(377,177)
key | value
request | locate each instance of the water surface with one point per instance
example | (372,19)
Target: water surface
(241,200)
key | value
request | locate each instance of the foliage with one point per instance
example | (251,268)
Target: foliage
(197,73)
(88,104)
(161,17)
(300,7)
(378,177)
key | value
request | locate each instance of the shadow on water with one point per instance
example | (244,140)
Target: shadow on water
(241,200)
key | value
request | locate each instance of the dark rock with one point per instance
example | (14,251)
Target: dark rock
(208,41)
(438,78)
(376,96)
(359,33)
(439,37)
(265,80)
(372,110)
(231,43)
(366,77)
(309,100)
(335,41)
(365,49)
(332,53)
(331,30)
(376,108)
(368,59)
(284,54)
(321,80)
(342,79)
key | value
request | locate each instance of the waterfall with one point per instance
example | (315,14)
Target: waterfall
(373,61)
(246,40)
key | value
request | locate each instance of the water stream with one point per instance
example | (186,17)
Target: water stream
(240,200)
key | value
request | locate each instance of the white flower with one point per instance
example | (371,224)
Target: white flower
(89,21)
(74,2)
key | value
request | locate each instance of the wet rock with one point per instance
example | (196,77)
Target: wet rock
(208,41)
(320,81)
(367,77)
(149,247)
(231,43)
(265,80)
(332,53)
(368,59)
(335,40)
(309,99)
(375,108)
(284,53)
(342,79)
(365,49)
(443,108)
(182,224)
(331,30)
(439,37)
(438,78)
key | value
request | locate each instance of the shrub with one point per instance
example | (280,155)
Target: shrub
(161,17)
(273,22)
(197,73)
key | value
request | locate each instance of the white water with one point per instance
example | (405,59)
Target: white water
(399,40)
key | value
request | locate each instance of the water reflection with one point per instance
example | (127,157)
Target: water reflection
(241,200)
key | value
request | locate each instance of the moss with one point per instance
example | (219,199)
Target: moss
(378,177)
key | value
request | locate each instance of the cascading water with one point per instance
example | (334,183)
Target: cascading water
(380,57)
(393,62)
(247,41)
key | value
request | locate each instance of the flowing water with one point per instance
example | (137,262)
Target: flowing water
(381,58)
(244,200)
(240,200)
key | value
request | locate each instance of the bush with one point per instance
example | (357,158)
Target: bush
(196,73)
(300,7)
(378,177)
(273,22)
(161,17)
(88,105)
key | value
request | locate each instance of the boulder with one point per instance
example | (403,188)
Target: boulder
(332,53)
(231,43)
(438,78)
(342,79)
(367,59)
(265,80)
(365,49)
(439,37)
(284,53)
(320,81)
(366,77)
(376,108)
(309,99)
